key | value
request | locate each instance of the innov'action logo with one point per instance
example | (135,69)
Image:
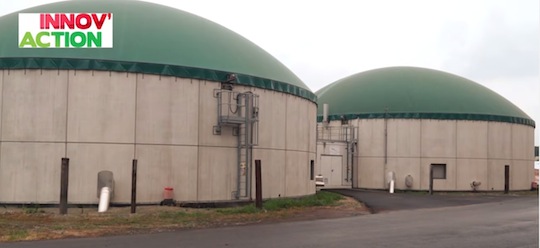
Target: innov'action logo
(65,30)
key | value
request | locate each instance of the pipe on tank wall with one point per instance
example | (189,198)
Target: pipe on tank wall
(348,152)
(105,190)
(325,113)
(385,136)
(104,199)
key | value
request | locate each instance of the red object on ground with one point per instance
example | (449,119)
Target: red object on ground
(168,193)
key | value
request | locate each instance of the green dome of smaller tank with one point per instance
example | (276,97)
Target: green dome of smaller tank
(415,93)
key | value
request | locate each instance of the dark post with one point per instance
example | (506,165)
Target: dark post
(431,179)
(312,170)
(506,178)
(64,180)
(258,184)
(134,186)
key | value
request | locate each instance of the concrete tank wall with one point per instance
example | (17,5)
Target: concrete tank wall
(471,150)
(103,120)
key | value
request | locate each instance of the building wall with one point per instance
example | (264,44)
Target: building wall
(332,144)
(104,120)
(333,149)
(471,150)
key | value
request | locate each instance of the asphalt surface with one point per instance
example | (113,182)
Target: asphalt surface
(382,201)
(499,222)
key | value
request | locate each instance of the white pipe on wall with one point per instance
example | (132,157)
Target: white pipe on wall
(104,199)
(391,179)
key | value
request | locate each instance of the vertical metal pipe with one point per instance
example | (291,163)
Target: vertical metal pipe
(64,181)
(134,186)
(353,150)
(385,136)
(249,142)
(239,150)
(219,107)
(348,153)
(325,113)
(239,164)
(506,179)
(258,184)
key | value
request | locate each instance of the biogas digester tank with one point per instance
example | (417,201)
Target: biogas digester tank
(192,101)
(407,119)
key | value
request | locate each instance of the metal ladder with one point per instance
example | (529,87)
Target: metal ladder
(244,158)
(247,138)
(240,110)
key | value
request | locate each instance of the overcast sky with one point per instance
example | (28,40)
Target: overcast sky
(493,42)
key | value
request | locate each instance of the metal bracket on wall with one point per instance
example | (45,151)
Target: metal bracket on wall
(217,130)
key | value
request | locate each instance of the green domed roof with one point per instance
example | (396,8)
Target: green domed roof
(417,93)
(155,39)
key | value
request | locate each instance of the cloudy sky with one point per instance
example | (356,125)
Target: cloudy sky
(493,42)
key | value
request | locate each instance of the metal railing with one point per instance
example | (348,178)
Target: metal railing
(336,133)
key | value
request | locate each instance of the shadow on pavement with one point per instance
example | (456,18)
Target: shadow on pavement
(381,201)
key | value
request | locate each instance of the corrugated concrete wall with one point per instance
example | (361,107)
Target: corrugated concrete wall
(103,120)
(471,150)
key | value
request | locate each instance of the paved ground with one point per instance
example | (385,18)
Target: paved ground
(507,223)
(382,201)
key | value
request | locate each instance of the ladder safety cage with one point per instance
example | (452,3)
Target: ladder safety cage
(241,111)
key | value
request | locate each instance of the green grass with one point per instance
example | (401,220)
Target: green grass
(17,235)
(248,209)
(31,223)
(321,198)
(58,227)
(181,215)
(33,210)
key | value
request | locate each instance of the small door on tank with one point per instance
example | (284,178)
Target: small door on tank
(331,170)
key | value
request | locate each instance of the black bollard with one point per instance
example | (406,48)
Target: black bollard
(64,181)
(258,184)
(134,186)
(506,178)
(431,179)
